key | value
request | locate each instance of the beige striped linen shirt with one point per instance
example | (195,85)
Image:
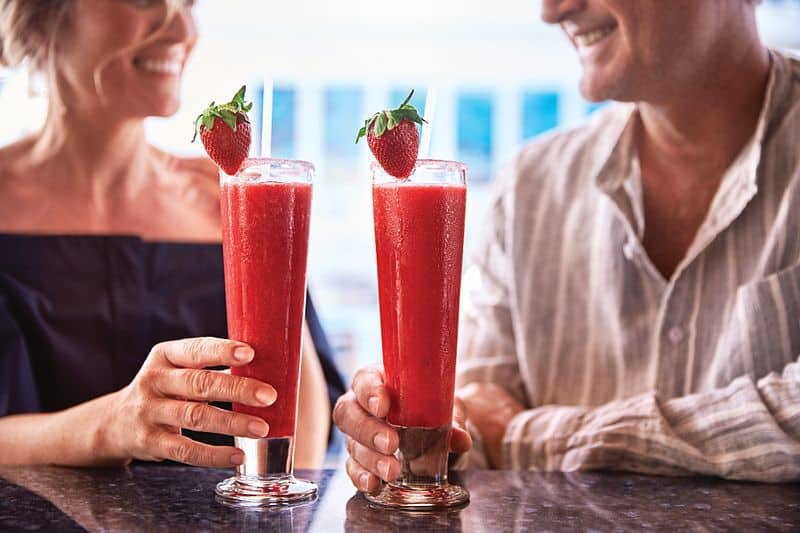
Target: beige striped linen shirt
(618,367)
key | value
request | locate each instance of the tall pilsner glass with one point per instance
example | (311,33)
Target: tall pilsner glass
(419,239)
(266,210)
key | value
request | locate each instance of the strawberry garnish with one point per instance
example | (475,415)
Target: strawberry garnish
(393,138)
(225,132)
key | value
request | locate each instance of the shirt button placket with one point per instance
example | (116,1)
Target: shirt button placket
(672,356)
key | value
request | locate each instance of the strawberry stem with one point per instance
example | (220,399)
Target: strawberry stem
(389,119)
(230,113)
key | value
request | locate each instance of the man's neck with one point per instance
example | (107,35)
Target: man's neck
(706,124)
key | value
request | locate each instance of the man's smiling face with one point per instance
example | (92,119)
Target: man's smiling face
(634,50)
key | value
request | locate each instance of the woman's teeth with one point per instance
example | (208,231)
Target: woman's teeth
(162,67)
(588,39)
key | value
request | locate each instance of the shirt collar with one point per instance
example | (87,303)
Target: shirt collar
(616,160)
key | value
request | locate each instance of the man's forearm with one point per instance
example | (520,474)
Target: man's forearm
(744,431)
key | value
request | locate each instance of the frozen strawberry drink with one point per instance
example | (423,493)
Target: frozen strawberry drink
(419,238)
(266,209)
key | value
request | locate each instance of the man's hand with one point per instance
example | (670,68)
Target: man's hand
(490,409)
(371,441)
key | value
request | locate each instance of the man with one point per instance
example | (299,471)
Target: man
(635,301)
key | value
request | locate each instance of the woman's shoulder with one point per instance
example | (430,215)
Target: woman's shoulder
(197,177)
(11,155)
(192,168)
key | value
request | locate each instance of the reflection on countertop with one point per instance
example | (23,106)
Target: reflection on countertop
(158,497)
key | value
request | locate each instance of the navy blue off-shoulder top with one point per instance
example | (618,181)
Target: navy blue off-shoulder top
(79,314)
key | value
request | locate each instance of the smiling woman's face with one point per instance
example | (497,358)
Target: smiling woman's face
(122,57)
(632,50)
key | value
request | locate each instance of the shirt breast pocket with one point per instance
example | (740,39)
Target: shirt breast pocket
(763,331)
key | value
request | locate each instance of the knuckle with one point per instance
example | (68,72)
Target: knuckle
(342,409)
(231,422)
(238,388)
(182,452)
(200,383)
(364,433)
(352,470)
(146,378)
(192,415)
(139,409)
(348,445)
(143,440)
(364,377)
(157,349)
(193,349)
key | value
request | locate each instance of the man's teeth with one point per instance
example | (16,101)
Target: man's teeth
(588,39)
(162,67)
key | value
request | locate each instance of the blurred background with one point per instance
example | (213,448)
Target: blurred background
(502,76)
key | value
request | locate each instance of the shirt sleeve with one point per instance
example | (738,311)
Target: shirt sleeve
(18,392)
(749,430)
(487,352)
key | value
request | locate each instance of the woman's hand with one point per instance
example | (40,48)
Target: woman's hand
(371,441)
(170,392)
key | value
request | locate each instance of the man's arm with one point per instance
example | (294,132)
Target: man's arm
(747,430)
(487,352)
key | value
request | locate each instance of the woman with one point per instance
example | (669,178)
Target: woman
(109,248)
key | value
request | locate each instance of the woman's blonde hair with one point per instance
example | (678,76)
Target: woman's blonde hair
(29,30)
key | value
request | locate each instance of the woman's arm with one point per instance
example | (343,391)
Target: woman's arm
(72,437)
(314,409)
(143,420)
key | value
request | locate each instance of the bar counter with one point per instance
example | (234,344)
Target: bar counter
(158,497)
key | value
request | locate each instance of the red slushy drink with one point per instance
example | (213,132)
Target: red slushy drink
(419,237)
(419,240)
(265,236)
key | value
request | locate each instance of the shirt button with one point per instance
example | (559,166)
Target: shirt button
(675,334)
(628,251)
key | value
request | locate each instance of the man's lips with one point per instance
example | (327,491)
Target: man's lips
(589,37)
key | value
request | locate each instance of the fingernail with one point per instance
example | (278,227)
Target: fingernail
(243,354)
(266,395)
(258,428)
(383,468)
(381,442)
(374,403)
(363,481)
(237,458)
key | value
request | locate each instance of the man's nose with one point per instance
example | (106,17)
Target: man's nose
(554,11)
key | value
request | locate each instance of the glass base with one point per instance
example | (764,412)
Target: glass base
(265,478)
(422,484)
(264,492)
(419,497)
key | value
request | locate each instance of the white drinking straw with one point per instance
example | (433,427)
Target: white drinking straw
(429,115)
(266,119)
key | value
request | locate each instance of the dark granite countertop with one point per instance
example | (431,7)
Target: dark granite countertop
(153,497)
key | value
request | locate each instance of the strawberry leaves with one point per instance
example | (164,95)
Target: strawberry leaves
(230,113)
(389,119)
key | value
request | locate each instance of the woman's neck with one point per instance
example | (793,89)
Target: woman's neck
(97,156)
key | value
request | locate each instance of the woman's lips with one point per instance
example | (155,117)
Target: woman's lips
(159,66)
